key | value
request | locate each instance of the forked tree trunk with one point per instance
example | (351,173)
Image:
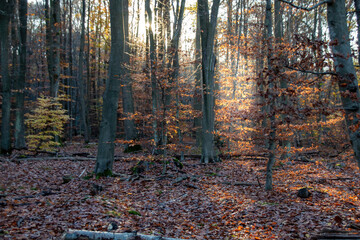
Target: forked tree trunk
(346,74)
(105,154)
(208,28)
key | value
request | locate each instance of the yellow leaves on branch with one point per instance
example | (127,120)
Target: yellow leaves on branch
(44,123)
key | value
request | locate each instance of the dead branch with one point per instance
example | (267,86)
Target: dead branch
(92,235)
(305,8)
(180,179)
(240,183)
(189,185)
(55,158)
(308,71)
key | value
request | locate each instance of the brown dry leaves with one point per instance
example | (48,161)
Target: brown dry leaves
(37,205)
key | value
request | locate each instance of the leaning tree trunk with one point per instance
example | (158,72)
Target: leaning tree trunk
(208,29)
(20,81)
(105,154)
(6,82)
(346,74)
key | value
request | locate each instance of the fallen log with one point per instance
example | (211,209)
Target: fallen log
(332,234)
(56,158)
(241,183)
(94,235)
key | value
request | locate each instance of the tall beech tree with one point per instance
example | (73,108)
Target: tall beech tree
(20,80)
(82,86)
(271,95)
(346,74)
(117,70)
(6,9)
(154,85)
(53,37)
(126,85)
(344,67)
(208,29)
(197,93)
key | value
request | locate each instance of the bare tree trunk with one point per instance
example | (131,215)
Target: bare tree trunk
(357,11)
(197,93)
(20,80)
(54,65)
(271,98)
(127,92)
(70,81)
(6,10)
(154,89)
(346,74)
(208,29)
(81,79)
(105,154)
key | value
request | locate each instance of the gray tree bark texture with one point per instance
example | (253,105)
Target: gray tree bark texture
(154,88)
(346,74)
(197,105)
(126,89)
(54,64)
(6,10)
(357,11)
(81,79)
(20,81)
(208,30)
(271,98)
(105,152)
(278,33)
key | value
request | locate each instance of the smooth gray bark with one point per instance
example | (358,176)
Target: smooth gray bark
(154,85)
(105,153)
(54,63)
(271,98)
(197,93)
(344,67)
(278,33)
(208,29)
(69,81)
(357,11)
(20,81)
(80,76)
(6,10)
(346,74)
(127,92)
(174,58)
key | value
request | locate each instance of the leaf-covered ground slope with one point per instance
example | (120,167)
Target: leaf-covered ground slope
(217,201)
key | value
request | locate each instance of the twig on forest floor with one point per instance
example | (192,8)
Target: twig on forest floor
(82,172)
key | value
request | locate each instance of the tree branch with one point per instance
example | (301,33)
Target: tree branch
(305,8)
(312,72)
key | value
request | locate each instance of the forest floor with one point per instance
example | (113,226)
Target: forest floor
(225,200)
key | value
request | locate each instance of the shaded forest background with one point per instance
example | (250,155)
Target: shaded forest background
(308,112)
